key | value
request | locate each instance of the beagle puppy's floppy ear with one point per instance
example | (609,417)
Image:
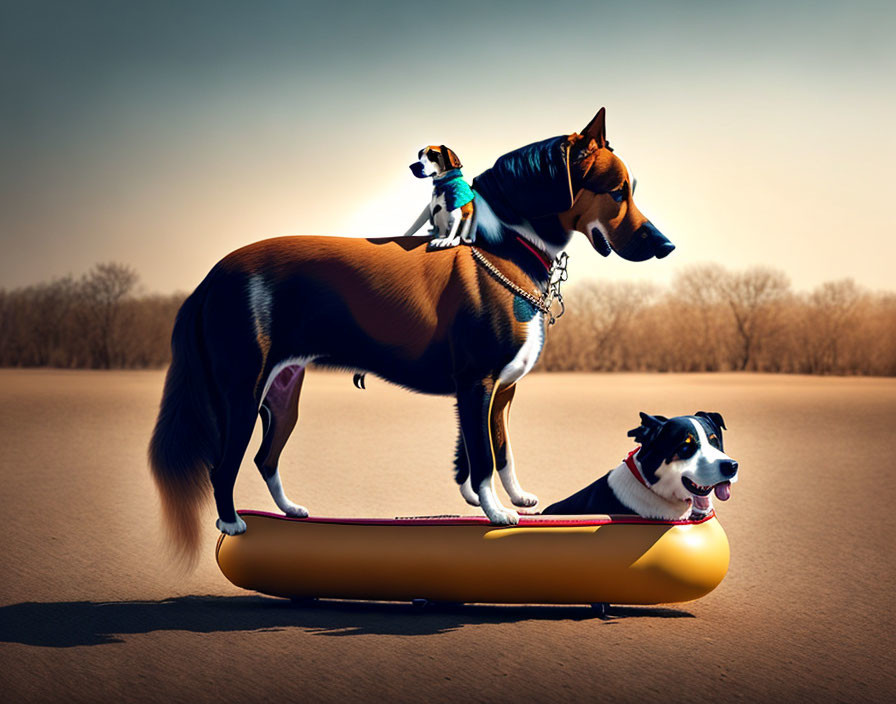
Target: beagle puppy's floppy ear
(449,158)
(714,418)
(597,129)
(649,428)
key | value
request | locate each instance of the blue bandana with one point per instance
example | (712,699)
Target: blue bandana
(457,192)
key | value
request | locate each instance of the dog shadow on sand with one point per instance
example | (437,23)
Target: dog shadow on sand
(76,623)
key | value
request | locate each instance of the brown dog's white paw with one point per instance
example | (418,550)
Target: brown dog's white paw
(470,496)
(524,499)
(295,511)
(503,517)
(235,528)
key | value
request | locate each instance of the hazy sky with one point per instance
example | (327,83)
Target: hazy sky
(165,134)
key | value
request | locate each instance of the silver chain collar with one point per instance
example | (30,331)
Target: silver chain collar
(543,303)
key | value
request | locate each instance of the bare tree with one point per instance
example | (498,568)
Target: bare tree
(52,305)
(833,308)
(152,317)
(606,311)
(707,333)
(753,298)
(878,339)
(7,327)
(104,290)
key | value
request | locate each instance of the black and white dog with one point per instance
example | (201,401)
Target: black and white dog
(679,463)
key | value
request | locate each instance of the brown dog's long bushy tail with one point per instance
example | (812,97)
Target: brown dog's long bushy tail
(185,442)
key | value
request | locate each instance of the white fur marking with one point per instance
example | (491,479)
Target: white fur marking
(275,486)
(444,221)
(466,490)
(430,168)
(600,227)
(491,227)
(705,465)
(517,495)
(527,355)
(496,512)
(643,501)
(668,483)
(260,301)
(487,223)
(235,528)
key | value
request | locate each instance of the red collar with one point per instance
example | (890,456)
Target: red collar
(630,463)
(540,255)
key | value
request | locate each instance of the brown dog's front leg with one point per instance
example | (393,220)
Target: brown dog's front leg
(500,415)
(475,399)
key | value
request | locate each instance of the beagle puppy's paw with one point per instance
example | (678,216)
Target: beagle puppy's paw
(444,242)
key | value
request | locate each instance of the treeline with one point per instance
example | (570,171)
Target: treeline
(711,319)
(708,319)
(94,322)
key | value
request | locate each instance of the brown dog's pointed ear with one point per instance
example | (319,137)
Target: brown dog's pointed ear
(597,128)
(450,158)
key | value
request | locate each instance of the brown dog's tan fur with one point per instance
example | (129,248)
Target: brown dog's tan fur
(397,292)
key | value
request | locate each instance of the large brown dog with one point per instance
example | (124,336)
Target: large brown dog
(466,321)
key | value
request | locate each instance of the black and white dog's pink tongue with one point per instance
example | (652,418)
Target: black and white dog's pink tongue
(723,491)
(702,503)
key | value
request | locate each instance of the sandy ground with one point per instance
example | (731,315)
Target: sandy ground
(90,610)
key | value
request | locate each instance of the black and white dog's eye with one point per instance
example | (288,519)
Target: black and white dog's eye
(618,195)
(714,441)
(687,449)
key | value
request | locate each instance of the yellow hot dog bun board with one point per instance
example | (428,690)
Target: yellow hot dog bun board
(543,560)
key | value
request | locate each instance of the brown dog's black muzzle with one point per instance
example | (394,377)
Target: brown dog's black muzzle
(646,242)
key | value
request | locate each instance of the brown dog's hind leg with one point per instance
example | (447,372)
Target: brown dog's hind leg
(500,416)
(239,423)
(279,413)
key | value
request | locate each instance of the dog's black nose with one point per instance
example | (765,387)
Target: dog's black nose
(728,468)
(647,242)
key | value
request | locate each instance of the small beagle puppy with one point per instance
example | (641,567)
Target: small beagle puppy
(450,212)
